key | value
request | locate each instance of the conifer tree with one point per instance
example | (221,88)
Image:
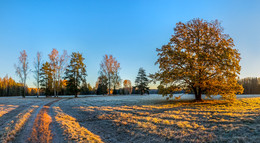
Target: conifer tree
(102,85)
(46,78)
(75,73)
(142,82)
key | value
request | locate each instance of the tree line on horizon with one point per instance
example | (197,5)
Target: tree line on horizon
(251,85)
(66,75)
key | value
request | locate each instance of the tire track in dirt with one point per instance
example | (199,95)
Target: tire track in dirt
(35,119)
(57,131)
(41,127)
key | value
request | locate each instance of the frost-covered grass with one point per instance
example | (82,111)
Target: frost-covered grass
(41,128)
(73,130)
(134,118)
(17,112)
(14,126)
(184,121)
(6,108)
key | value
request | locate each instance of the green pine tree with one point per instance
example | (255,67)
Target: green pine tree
(142,82)
(75,73)
(46,80)
(102,88)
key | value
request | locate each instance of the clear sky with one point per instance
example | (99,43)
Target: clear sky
(130,30)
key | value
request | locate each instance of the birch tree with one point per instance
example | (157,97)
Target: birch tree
(62,65)
(22,69)
(37,68)
(54,61)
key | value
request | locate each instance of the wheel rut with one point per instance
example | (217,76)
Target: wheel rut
(38,128)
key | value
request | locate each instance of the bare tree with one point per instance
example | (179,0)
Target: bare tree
(22,69)
(116,79)
(62,65)
(110,67)
(37,67)
(54,61)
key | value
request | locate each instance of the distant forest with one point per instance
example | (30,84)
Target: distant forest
(251,85)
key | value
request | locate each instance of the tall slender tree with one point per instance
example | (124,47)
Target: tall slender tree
(62,65)
(46,78)
(54,61)
(22,69)
(102,85)
(142,82)
(116,80)
(109,67)
(37,68)
(75,73)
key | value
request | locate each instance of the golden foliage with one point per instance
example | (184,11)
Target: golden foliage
(199,58)
(110,67)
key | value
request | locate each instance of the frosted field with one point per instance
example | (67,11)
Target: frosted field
(131,118)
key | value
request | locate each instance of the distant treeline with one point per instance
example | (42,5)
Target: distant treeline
(251,85)
(9,87)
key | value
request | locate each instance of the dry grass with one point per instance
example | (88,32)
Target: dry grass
(41,131)
(189,121)
(73,130)
(14,126)
(6,108)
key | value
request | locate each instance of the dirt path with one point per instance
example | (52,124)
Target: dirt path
(37,129)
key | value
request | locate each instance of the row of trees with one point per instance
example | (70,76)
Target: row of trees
(57,76)
(103,84)
(109,78)
(50,76)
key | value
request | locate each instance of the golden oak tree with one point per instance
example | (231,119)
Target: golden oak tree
(199,58)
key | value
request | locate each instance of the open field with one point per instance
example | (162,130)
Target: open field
(128,119)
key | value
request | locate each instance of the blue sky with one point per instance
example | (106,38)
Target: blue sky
(130,30)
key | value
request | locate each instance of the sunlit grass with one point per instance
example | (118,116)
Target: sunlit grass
(72,128)
(14,126)
(41,131)
(6,108)
(185,121)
